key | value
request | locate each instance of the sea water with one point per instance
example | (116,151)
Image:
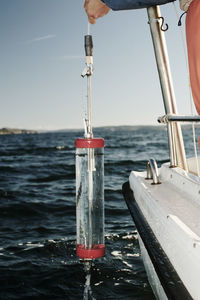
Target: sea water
(38,220)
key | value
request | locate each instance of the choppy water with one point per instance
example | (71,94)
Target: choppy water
(37,215)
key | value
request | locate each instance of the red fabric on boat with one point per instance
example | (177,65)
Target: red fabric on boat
(193,45)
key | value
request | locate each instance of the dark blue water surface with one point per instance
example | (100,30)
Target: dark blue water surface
(38,222)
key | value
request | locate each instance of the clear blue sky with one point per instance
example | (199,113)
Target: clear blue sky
(42,57)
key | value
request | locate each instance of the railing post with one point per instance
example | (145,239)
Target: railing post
(176,145)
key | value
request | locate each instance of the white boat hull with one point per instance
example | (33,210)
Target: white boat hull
(151,273)
(172,212)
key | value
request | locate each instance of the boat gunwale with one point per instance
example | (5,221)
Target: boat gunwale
(169,278)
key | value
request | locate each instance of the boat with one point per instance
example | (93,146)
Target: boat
(164,202)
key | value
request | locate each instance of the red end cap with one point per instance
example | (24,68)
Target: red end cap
(96,251)
(89,143)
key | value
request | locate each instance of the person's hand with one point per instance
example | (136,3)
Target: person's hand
(95,9)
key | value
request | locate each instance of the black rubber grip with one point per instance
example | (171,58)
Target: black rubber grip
(88,45)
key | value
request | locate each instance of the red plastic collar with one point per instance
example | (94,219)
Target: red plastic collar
(96,251)
(89,143)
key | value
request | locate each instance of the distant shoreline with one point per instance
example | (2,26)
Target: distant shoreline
(6,130)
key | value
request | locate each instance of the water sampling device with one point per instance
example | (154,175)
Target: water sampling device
(89,179)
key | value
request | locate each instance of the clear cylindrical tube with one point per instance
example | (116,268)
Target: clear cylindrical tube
(90,198)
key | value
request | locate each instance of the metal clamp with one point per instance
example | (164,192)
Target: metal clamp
(88,70)
(152,171)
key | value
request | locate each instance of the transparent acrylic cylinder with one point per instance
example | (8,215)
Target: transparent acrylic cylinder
(90,198)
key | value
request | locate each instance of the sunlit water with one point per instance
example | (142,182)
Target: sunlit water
(37,216)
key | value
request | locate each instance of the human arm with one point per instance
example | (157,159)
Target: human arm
(99,8)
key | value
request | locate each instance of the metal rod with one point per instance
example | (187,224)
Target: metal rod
(89,105)
(88,72)
(164,72)
(178,118)
(152,171)
(90,194)
(171,148)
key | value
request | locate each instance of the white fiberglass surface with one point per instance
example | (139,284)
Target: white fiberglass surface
(178,194)
(172,210)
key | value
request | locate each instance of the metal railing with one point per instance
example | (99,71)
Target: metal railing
(176,145)
(171,120)
(152,171)
(178,118)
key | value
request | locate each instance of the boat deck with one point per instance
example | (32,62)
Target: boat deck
(172,210)
(178,202)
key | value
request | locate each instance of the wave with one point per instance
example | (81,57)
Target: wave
(52,178)
(30,209)
(38,217)
(124,163)
(35,150)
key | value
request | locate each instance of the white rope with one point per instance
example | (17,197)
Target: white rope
(88,28)
(190,92)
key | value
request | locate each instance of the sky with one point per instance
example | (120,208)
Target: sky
(42,57)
